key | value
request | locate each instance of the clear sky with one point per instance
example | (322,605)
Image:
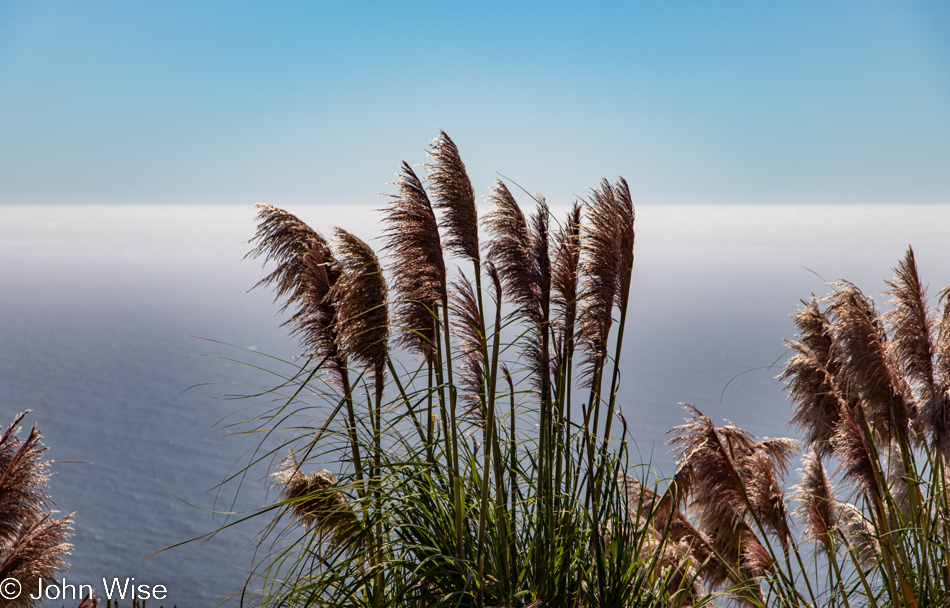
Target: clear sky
(310,102)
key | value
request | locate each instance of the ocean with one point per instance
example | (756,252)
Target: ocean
(116,323)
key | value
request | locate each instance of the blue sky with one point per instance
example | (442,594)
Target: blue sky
(310,102)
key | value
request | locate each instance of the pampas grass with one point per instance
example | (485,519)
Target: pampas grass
(33,545)
(523,498)
(418,269)
(869,389)
(435,490)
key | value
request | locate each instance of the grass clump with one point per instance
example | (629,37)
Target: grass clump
(872,398)
(466,414)
(461,388)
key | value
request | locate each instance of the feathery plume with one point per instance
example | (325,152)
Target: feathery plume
(535,347)
(716,488)
(469,333)
(23,478)
(816,497)
(809,376)
(564,285)
(734,482)
(855,455)
(32,544)
(603,263)
(564,267)
(896,479)
(362,310)
(513,251)
(519,251)
(306,273)
(756,559)
(36,550)
(780,451)
(859,532)
(540,257)
(912,346)
(625,218)
(911,325)
(316,502)
(824,515)
(866,367)
(762,470)
(942,345)
(453,194)
(412,238)
(935,415)
(712,475)
(687,548)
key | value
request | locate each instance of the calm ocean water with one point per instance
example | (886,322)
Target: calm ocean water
(102,309)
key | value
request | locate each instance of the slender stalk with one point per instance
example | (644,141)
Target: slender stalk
(377,478)
(483,512)
(452,433)
(615,376)
(430,416)
(411,409)
(513,466)
(351,428)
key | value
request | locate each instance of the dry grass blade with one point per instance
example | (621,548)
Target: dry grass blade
(453,194)
(361,297)
(412,238)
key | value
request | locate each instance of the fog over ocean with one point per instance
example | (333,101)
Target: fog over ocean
(102,308)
